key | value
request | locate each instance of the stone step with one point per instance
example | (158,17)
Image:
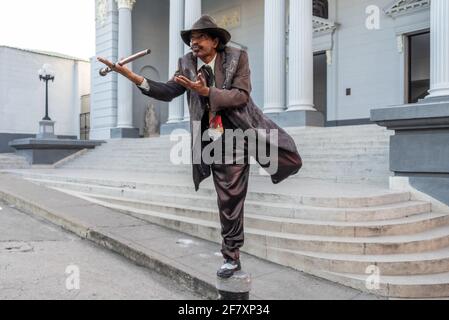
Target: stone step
(371,159)
(376,156)
(9,167)
(329,164)
(186,169)
(347,130)
(362,177)
(340,140)
(421,242)
(314,171)
(317,170)
(332,165)
(343,148)
(323,135)
(423,263)
(304,149)
(322,144)
(431,286)
(361,180)
(12,158)
(6,167)
(337,167)
(304,152)
(308,213)
(300,138)
(357,128)
(324,173)
(354,175)
(301,141)
(9,155)
(187,196)
(13,161)
(327,132)
(304,134)
(184,186)
(324,157)
(273,221)
(321,165)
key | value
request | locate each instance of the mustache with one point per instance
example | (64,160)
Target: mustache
(196,47)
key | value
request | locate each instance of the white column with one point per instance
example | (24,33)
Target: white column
(76,97)
(300,79)
(439,48)
(124,86)
(176,50)
(192,14)
(274,56)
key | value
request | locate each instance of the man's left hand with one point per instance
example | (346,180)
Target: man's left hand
(198,86)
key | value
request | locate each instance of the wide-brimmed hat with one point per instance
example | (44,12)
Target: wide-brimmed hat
(207,23)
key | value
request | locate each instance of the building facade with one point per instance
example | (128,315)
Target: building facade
(313,62)
(22,94)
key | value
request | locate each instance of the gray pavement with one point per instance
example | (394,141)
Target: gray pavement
(41,261)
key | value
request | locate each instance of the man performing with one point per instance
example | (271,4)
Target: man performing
(217,80)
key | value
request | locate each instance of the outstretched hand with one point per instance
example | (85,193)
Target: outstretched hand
(123,70)
(198,86)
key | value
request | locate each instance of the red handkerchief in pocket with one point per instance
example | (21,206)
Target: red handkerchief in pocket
(216,129)
(216,122)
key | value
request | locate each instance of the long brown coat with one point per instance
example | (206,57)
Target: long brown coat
(231,96)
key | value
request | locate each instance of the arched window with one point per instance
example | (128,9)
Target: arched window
(321,9)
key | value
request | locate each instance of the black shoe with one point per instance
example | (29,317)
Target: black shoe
(228,268)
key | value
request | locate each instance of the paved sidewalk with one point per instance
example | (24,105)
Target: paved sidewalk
(191,262)
(40,261)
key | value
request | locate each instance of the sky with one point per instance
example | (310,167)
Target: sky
(62,26)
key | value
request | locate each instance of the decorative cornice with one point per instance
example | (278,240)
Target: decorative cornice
(402,7)
(228,19)
(321,26)
(102,11)
(125,4)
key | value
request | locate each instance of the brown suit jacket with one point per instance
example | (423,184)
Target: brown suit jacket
(230,97)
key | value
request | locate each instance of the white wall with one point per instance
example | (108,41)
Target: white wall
(22,94)
(368,61)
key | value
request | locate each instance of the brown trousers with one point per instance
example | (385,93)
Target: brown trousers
(231,184)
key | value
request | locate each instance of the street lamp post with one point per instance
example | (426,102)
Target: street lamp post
(46,126)
(46,74)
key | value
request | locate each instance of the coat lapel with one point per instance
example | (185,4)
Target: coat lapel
(190,71)
(219,70)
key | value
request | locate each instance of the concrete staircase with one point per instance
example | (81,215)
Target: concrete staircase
(356,232)
(356,154)
(13,161)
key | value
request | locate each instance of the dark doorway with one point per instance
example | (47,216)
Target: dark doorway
(320,82)
(418,66)
(84,126)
